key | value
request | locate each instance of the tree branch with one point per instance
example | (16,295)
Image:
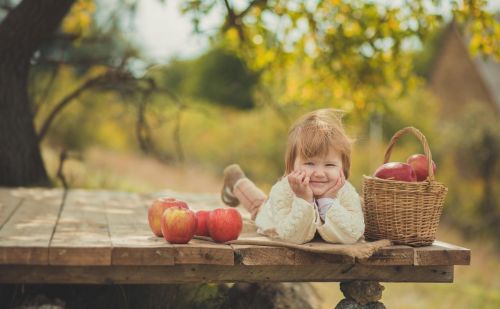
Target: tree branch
(60,174)
(233,21)
(143,131)
(64,102)
(250,6)
(46,90)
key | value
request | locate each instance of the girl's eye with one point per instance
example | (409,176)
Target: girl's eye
(309,163)
(331,165)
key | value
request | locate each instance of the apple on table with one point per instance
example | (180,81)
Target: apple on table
(202,223)
(156,210)
(224,224)
(178,225)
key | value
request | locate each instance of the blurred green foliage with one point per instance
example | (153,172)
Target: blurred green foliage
(218,76)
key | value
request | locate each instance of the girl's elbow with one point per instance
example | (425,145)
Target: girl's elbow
(344,235)
(350,238)
(356,233)
(292,236)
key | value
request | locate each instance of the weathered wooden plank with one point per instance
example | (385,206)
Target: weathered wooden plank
(393,255)
(441,253)
(263,255)
(81,236)
(154,251)
(254,249)
(252,255)
(218,273)
(309,258)
(9,202)
(202,252)
(195,252)
(25,237)
(131,238)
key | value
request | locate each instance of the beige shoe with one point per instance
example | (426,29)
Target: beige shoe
(232,174)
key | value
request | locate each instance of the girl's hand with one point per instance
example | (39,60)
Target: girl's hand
(299,182)
(332,192)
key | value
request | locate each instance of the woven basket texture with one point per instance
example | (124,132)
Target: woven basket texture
(407,213)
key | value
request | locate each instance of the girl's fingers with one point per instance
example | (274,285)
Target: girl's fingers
(302,176)
(339,181)
(343,177)
(306,180)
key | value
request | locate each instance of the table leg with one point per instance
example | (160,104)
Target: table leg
(361,295)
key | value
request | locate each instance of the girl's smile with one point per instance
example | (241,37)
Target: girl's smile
(323,171)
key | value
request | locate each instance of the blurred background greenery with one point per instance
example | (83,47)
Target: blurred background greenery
(109,117)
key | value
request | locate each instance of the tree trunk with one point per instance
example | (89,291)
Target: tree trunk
(21,33)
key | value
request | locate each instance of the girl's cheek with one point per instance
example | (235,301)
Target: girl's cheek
(334,172)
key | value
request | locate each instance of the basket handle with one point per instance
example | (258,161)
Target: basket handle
(421,138)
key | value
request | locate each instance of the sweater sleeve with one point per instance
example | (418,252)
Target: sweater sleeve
(344,222)
(288,217)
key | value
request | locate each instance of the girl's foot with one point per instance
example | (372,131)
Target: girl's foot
(232,174)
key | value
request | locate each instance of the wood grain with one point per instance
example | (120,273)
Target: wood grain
(81,236)
(25,237)
(218,273)
(393,255)
(441,253)
(263,255)
(131,238)
(252,255)
(8,204)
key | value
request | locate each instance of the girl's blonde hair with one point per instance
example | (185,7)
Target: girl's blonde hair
(313,134)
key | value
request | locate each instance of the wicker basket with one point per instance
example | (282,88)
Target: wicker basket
(405,212)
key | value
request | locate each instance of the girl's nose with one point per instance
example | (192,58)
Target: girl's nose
(318,171)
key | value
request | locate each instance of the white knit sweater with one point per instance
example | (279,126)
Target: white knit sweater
(293,219)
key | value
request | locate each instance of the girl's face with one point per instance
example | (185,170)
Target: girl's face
(323,171)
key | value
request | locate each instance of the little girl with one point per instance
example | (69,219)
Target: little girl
(314,195)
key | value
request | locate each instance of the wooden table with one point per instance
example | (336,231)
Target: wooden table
(100,237)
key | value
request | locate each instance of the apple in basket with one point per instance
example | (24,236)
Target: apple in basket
(202,223)
(224,224)
(156,210)
(419,163)
(178,225)
(396,171)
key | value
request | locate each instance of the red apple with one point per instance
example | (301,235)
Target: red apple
(419,163)
(202,219)
(224,224)
(178,225)
(396,171)
(156,210)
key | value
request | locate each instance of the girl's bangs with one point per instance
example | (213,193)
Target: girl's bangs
(313,142)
